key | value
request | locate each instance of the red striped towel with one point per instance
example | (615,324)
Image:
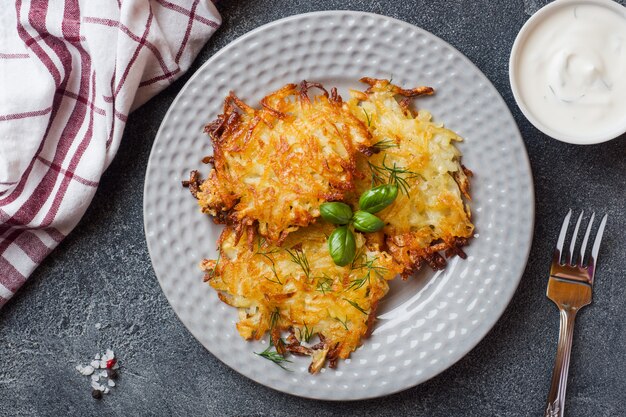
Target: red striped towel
(70,72)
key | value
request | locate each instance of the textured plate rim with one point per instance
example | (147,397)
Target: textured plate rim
(515,276)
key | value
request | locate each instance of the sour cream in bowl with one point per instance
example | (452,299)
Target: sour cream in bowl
(568,70)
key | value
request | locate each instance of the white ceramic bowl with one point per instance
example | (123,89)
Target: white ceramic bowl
(535,20)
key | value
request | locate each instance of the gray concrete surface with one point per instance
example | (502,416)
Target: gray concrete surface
(102,273)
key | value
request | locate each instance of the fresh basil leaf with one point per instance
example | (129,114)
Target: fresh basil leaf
(336,213)
(342,246)
(377,198)
(366,222)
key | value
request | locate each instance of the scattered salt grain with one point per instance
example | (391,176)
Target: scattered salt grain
(87,370)
(98,326)
(102,372)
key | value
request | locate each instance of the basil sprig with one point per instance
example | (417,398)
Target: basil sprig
(341,242)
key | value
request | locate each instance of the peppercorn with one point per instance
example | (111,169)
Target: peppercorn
(111,363)
(97,394)
(112,373)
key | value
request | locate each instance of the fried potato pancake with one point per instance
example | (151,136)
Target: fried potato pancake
(430,214)
(298,289)
(274,166)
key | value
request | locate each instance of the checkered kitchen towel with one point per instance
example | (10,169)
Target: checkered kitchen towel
(70,72)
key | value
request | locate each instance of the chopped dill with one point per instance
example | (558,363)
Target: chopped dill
(369,120)
(359,253)
(379,271)
(355,305)
(268,353)
(344,322)
(393,175)
(384,144)
(299,257)
(357,283)
(325,284)
(219,258)
(266,255)
(272,355)
(274,318)
(307,335)
(369,264)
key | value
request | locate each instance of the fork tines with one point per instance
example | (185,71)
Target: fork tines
(570,256)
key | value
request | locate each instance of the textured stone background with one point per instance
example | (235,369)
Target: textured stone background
(102,273)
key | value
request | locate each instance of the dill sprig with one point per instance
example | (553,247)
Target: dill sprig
(355,305)
(272,355)
(299,257)
(369,264)
(360,252)
(357,283)
(219,258)
(307,335)
(268,353)
(325,284)
(384,144)
(266,255)
(274,318)
(369,120)
(392,174)
(344,322)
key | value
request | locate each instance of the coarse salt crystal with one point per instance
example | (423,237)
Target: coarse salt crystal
(99,371)
(87,370)
(98,326)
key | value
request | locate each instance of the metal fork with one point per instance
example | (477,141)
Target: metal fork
(570,286)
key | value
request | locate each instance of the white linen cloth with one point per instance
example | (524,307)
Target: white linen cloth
(70,73)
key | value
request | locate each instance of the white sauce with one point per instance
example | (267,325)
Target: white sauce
(572,70)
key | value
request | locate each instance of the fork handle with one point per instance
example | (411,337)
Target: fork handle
(556,397)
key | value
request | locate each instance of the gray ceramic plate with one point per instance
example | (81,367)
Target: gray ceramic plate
(425,324)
